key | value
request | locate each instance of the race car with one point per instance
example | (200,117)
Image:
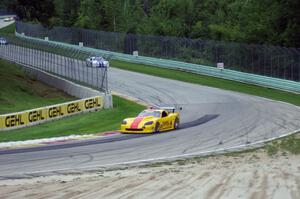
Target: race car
(8,19)
(3,41)
(97,62)
(152,120)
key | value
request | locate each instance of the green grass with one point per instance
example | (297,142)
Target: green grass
(19,91)
(289,144)
(279,147)
(10,29)
(210,81)
(95,122)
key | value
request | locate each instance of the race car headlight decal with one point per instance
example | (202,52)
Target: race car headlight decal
(148,123)
(124,122)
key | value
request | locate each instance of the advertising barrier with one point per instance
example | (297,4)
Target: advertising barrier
(39,115)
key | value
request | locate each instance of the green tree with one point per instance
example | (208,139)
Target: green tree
(70,10)
(170,17)
(90,14)
(40,10)
(275,22)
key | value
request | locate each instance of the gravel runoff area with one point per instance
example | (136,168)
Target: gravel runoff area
(253,175)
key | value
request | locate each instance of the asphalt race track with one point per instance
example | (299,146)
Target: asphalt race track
(212,119)
(4,23)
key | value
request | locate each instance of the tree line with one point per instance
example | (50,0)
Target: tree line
(272,22)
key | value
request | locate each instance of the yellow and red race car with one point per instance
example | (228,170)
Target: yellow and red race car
(151,121)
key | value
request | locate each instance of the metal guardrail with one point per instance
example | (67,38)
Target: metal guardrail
(264,81)
(271,61)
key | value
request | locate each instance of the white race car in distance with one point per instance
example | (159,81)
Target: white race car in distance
(3,41)
(97,62)
(8,19)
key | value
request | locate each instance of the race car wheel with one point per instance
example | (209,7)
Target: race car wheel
(176,123)
(156,129)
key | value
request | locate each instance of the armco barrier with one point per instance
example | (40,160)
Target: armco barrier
(61,83)
(48,113)
(270,82)
(67,86)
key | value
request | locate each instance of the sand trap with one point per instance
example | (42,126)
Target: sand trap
(251,175)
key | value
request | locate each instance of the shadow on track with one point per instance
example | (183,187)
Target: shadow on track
(197,122)
(121,137)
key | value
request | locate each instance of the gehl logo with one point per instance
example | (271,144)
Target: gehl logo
(55,112)
(92,103)
(34,116)
(13,120)
(73,107)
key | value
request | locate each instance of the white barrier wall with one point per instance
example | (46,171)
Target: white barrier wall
(69,87)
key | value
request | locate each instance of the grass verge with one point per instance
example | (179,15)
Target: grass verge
(95,122)
(210,81)
(20,91)
(289,144)
(274,149)
(10,29)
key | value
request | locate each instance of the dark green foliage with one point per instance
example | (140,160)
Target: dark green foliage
(7,4)
(275,22)
(35,10)
(69,12)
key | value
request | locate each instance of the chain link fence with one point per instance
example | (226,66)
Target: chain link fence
(64,62)
(272,61)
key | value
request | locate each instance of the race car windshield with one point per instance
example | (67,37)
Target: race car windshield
(99,59)
(149,113)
